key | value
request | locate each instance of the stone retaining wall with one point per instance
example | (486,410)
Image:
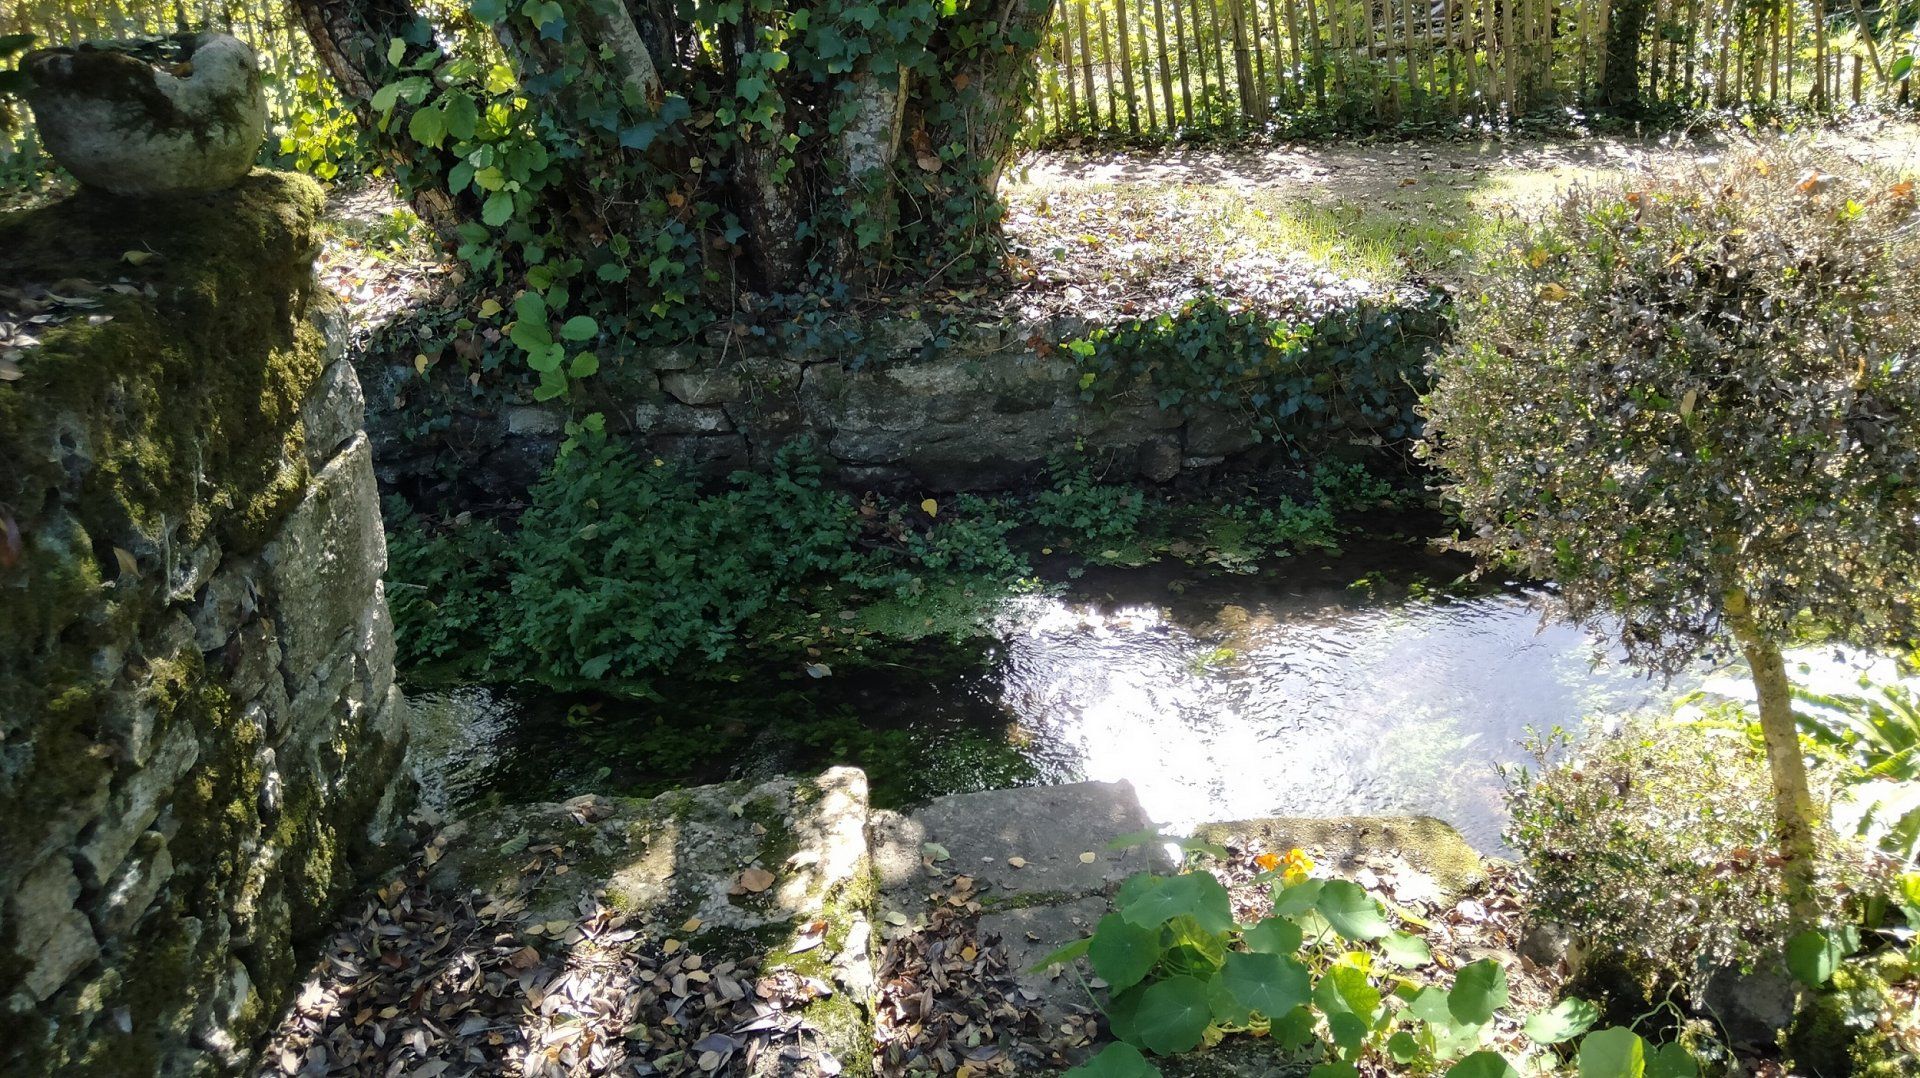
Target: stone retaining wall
(985,411)
(199,730)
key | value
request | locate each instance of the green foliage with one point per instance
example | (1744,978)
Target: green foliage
(1875,736)
(1700,384)
(1181,972)
(1653,845)
(1300,375)
(1093,516)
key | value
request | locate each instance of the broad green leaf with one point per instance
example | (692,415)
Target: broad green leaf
(1116,1061)
(396,49)
(579,328)
(1483,1065)
(1293,1031)
(385,97)
(1337,1069)
(497,208)
(530,335)
(1173,1015)
(1479,989)
(1568,1019)
(1405,950)
(1273,935)
(1351,910)
(1673,1061)
(1121,1011)
(1813,955)
(1613,1053)
(1122,952)
(583,365)
(427,126)
(1297,899)
(1065,954)
(1227,1008)
(1267,983)
(1344,990)
(1403,1047)
(1196,894)
(1431,1005)
(462,114)
(1190,948)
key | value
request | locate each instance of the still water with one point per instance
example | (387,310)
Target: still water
(1378,681)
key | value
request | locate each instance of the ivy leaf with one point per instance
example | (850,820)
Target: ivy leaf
(1116,1061)
(1406,950)
(1123,952)
(1173,1015)
(1483,1065)
(579,328)
(1351,910)
(1613,1053)
(1813,955)
(1568,1019)
(1273,935)
(1479,989)
(1267,983)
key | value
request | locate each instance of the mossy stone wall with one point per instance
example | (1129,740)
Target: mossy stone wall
(199,734)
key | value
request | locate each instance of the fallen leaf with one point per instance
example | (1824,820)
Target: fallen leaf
(756,880)
(1017,862)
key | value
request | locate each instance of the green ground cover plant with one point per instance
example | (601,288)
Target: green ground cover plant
(1333,976)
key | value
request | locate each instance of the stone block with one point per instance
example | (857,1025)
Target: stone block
(523,419)
(707,387)
(327,559)
(133,888)
(333,413)
(673,417)
(135,803)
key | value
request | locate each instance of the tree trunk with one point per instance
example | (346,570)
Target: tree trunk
(1620,82)
(1794,812)
(868,146)
(350,37)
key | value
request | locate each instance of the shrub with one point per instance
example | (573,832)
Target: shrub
(1692,400)
(1652,845)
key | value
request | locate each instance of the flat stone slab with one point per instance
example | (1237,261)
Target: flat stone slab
(1031,933)
(775,874)
(1044,843)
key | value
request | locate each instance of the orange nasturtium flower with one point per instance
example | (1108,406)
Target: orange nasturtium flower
(1267,861)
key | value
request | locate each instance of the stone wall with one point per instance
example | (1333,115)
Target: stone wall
(982,408)
(199,731)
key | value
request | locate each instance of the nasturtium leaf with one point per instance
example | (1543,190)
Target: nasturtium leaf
(1351,910)
(1479,989)
(1613,1053)
(1190,948)
(1568,1019)
(1227,1008)
(1336,1069)
(1483,1065)
(1344,989)
(1134,886)
(1813,955)
(1196,894)
(1403,1047)
(1267,983)
(1293,1031)
(1289,901)
(1348,1030)
(579,328)
(1116,1061)
(1122,952)
(1405,950)
(1173,1015)
(1273,935)
(1672,1061)
(1121,1011)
